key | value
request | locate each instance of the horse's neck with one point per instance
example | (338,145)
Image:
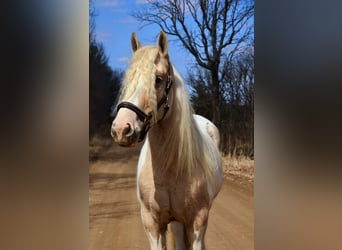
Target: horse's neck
(160,135)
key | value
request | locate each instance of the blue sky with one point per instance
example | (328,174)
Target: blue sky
(114,26)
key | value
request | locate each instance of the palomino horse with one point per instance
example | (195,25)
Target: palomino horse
(179,171)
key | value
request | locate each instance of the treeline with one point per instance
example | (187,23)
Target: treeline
(104,83)
(235,102)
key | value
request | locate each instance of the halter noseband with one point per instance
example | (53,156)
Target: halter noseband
(146,118)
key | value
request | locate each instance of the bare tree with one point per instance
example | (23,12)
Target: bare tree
(238,78)
(92,24)
(208,29)
(237,101)
(238,89)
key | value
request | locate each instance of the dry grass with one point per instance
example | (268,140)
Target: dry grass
(238,169)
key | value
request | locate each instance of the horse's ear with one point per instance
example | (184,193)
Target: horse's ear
(162,43)
(135,44)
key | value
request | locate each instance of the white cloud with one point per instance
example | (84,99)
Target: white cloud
(141,1)
(110,3)
(102,37)
(127,20)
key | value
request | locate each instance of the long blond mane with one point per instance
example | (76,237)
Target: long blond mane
(185,147)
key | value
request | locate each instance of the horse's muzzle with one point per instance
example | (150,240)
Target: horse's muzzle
(124,136)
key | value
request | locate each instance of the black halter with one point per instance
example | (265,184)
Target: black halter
(146,118)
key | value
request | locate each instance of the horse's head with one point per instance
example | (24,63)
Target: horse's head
(145,94)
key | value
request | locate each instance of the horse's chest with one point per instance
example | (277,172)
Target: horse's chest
(170,196)
(154,194)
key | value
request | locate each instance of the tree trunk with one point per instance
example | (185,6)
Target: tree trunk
(215,97)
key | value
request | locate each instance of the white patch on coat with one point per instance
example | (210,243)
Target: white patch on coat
(142,159)
(197,243)
(155,244)
(209,130)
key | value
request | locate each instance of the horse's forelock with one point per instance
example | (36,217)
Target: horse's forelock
(141,75)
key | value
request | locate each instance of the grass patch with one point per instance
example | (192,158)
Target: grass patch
(239,169)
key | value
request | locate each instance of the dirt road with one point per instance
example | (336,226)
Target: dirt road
(114,210)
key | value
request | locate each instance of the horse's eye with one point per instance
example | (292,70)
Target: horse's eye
(159,80)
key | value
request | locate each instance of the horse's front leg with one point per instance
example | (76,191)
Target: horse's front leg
(155,234)
(196,232)
(196,238)
(177,230)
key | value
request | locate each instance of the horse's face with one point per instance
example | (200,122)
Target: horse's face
(144,85)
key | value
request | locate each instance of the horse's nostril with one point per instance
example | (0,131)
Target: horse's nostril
(128,131)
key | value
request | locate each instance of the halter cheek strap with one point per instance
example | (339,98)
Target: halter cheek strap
(146,118)
(165,97)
